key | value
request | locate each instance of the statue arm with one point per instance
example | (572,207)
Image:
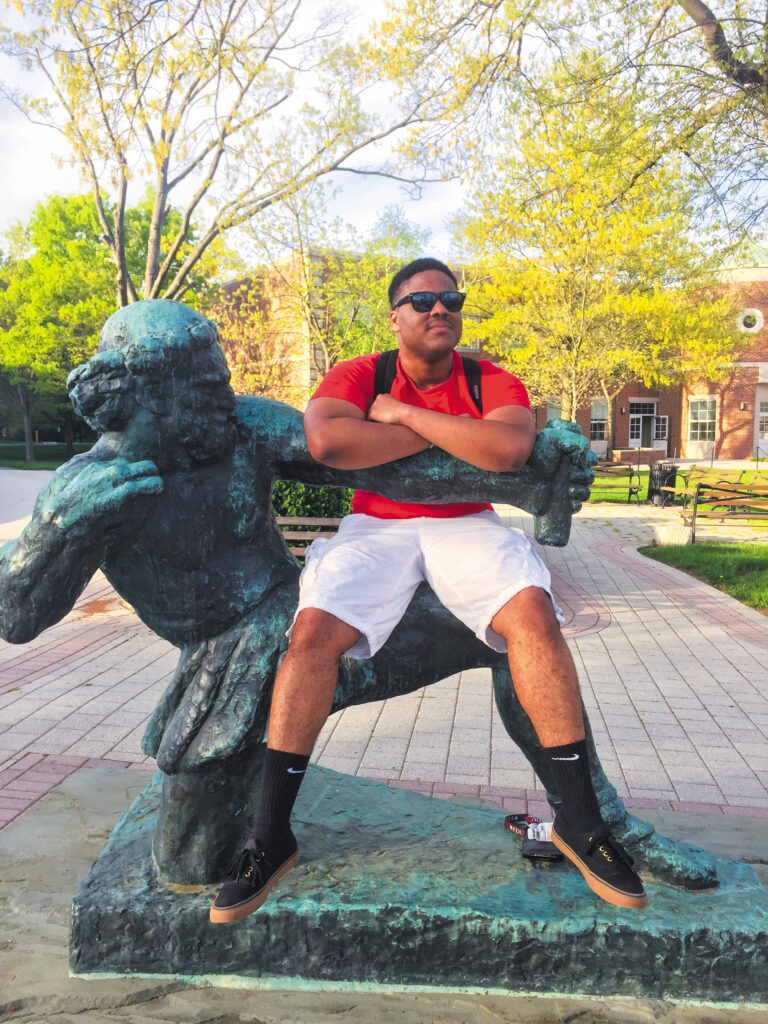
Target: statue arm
(435,476)
(77,517)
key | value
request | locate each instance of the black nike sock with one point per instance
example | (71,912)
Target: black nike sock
(569,766)
(280,781)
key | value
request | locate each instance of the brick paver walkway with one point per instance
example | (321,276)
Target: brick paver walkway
(674,676)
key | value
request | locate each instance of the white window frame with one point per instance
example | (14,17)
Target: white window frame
(762,422)
(598,419)
(694,399)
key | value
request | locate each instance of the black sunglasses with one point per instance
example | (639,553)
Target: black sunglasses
(423,302)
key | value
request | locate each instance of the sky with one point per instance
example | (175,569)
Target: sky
(30,154)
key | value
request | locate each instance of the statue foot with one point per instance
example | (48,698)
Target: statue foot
(674,863)
(203,817)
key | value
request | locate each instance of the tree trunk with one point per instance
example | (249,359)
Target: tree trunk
(566,405)
(610,427)
(25,402)
(68,421)
(152,286)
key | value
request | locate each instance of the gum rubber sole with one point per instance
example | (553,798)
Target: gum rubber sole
(223,915)
(597,885)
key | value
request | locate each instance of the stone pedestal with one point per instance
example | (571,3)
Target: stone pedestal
(399,889)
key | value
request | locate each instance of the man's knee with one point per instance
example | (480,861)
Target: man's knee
(529,609)
(321,634)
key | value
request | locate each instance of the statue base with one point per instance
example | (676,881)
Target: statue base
(398,889)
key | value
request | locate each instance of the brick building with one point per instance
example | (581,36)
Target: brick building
(725,420)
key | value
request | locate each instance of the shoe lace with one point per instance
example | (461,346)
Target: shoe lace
(247,864)
(609,848)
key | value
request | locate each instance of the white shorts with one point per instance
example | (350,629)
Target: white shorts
(367,574)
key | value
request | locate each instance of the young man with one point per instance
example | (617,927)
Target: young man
(356,586)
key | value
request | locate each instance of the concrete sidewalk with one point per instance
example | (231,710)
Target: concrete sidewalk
(674,675)
(45,852)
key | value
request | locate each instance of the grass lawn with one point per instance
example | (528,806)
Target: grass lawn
(37,464)
(47,456)
(740,570)
(617,495)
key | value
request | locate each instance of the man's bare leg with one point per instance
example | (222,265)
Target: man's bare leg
(547,685)
(306,680)
(301,701)
(542,667)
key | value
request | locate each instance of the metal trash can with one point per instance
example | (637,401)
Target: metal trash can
(662,474)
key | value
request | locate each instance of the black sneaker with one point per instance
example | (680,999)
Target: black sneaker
(250,879)
(606,866)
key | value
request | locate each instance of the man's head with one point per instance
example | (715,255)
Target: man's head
(160,358)
(398,286)
(425,309)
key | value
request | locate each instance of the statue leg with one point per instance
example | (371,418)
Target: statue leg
(678,864)
(211,749)
(204,816)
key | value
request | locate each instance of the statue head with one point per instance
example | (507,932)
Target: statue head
(159,362)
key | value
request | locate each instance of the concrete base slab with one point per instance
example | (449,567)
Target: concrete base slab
(398,889)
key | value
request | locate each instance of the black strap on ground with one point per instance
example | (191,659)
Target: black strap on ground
(386,369)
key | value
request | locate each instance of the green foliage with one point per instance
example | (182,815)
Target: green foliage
(56,291)
(326,297)
(290,498)
(740,570)
(588,279)
(337,280)
(234,106)
(56,453)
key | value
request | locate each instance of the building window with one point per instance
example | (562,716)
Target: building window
(661,431)
(597,420)
(642,408)
(750,321)
(762,423)
(554,412)
(701,419)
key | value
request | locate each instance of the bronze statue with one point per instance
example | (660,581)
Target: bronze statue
(173,504)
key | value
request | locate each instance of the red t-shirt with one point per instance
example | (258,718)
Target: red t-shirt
(353,381)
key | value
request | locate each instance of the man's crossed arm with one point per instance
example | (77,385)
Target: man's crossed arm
(433,475)
(340,435)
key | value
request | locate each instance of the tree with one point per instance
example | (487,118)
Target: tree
(225,107)
(56,291)
(322,294)
(339,279)
(697,75)
(591,279)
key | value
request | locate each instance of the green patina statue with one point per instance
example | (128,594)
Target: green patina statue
(173,504)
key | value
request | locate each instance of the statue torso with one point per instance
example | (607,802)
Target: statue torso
(206,553)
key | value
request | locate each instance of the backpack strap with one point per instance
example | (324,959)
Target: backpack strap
(386,370)
(473,374)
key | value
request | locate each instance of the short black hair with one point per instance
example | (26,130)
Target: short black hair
(413,268)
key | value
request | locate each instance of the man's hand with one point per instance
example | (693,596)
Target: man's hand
(103,494)
(500,441)
(386,409)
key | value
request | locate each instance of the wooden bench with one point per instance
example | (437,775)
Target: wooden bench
(695,475)
(617,476)
(305,529)
(726,503)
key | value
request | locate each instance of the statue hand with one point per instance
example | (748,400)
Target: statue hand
(102,493)
(559,438)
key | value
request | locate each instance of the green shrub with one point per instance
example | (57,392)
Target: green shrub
(15,451)
(294,499)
